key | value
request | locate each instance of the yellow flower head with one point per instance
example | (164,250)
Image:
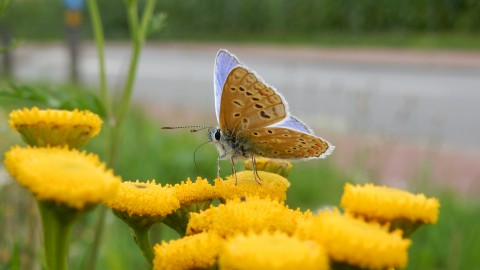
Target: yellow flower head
(191,192)
(194,197)
(275,251)
(271,185)
(278,166)
(244,215)
(198,251)
(386,204)
(55,127)
(145,199)
(65,176)
(353,241)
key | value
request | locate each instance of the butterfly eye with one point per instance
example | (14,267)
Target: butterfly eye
(217,135)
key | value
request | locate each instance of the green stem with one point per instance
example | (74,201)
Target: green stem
(138,34)
(100,42)
(132,16)
(116,120)
(147,17)
(142,240)
(57,221)
(179,219)
(97,239)
(140,228)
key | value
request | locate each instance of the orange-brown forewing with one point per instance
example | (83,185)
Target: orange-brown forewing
(247,103)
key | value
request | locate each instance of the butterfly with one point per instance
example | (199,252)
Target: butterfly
(254,120)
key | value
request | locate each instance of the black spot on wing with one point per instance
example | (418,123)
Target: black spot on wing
(264,115)
(238,103)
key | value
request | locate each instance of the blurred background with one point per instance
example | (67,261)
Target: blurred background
(394,85)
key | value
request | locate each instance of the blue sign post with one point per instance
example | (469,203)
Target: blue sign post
(74,4)
(73,21)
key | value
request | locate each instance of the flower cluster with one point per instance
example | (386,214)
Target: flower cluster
(51,168)
(65,182)
(244,215)
(238,223)
(251,226)
(254,231)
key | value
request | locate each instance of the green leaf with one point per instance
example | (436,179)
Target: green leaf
(60,97)
(158,23)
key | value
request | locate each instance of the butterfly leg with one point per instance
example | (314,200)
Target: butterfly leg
(255,172)
(218,168)
(234,173)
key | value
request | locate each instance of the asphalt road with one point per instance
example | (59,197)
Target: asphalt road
(417,96)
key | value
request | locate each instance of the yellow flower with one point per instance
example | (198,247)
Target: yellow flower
(141,205)
(271,185)
(386,204)
(191,192)
(65,176)
(194,197)
(198,251)
(275,251)
(244,215)
(355,242)
(55,127)
(278,166)
(144,199)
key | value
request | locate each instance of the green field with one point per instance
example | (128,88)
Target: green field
(449,24)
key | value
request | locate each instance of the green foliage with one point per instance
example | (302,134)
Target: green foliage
(346,21)
(159,22)
(316,184)
(452,243)
(67,97)
(148,152)
(4,6)
(310,17)
(35,19)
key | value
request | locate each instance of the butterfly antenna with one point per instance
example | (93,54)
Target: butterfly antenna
(193,128)
(195,153)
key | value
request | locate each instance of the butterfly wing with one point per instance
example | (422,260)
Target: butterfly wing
(294,123)
(224,63)
(248,103)
(285,143)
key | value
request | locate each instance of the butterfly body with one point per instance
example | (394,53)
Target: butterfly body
(228,145)
(254,119)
